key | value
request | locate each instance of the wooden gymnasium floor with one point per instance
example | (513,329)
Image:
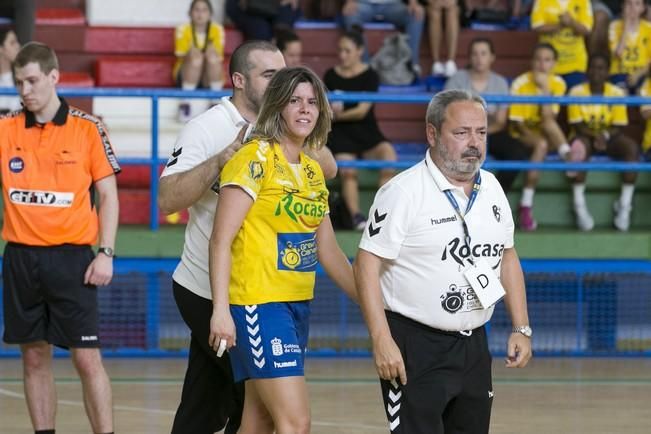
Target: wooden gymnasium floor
(609,396)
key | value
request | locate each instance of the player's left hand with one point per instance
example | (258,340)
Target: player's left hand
(518,351)
(100,271)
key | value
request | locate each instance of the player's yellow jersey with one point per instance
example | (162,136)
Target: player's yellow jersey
(185,38)
(645,90)
(598,117)
(274,254)
(572,52)
(529,114)
(637,47)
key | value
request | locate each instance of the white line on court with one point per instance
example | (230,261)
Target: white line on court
(11,394)
(17,395)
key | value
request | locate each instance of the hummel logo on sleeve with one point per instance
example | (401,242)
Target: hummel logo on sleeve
(175,157)
(377,218)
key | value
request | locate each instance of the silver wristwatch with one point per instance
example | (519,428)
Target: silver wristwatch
(525,330)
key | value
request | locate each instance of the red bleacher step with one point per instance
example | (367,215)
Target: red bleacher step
(134,71)
(140,71)
(135,176)
(134,208)
(142,40)
(60,16)
(129,40)
(76,79)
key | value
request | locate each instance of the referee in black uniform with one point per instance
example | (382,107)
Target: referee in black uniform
(435,257)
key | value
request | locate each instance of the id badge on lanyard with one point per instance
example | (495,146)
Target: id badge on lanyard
(480,276)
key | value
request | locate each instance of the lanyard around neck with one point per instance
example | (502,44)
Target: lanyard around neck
(471,201)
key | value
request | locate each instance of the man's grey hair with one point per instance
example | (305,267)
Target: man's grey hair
(439,104)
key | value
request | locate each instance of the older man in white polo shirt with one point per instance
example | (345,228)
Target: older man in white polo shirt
(436,256)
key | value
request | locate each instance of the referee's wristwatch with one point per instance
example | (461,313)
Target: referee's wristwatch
(108,251)
(525,330)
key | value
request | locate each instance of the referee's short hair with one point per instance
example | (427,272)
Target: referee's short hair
(439,104)
(36,52)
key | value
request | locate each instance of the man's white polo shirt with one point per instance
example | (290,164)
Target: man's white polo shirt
(203,137)
(413,226)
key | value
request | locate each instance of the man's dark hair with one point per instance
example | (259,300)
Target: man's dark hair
(545,46)
(240,61)
(285,37)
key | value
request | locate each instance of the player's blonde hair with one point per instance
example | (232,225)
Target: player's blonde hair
(271,125)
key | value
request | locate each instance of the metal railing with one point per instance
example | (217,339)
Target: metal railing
(155,94)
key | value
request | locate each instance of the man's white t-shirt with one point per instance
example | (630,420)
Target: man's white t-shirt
(7,102)
(420,236)
(202,137)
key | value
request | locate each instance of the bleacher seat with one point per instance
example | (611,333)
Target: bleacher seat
(60,16)
(131,40)
(134,208)
(76,79)
(135,176)
(134,71)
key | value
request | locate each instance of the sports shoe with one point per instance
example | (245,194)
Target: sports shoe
(184,113)
(359,221)
(576,154)
(417,70)
(584,220)
(438,69)
(622,220)
(450,68)
(525,219)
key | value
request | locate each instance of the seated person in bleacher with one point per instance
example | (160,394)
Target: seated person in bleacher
(535,125)
(597,128)
(259,19)
(604,11)
(9,47)
(630,46)
(435,11)
(564,24)
(479,78)
(199,50)
(645,110)
(355,132)
(408,16)
(291,46)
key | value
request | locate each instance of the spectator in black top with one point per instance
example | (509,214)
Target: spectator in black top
(355,132)
(258,19)
(291,46)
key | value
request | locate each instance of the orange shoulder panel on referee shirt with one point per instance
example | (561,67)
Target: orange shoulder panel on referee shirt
(48,171)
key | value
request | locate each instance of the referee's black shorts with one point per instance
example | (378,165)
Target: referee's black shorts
(449,387)
(44,296)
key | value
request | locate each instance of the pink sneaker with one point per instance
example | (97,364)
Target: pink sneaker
(525,219)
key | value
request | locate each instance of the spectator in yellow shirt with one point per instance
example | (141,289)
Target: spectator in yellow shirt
(564,24)
(199,50)
(535,125)
(597,128)
(645,110)
(630,46)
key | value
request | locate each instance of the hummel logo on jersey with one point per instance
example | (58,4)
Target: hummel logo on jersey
(377,218)
(175,157)
(443,220)
(491,394)
(43,198)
